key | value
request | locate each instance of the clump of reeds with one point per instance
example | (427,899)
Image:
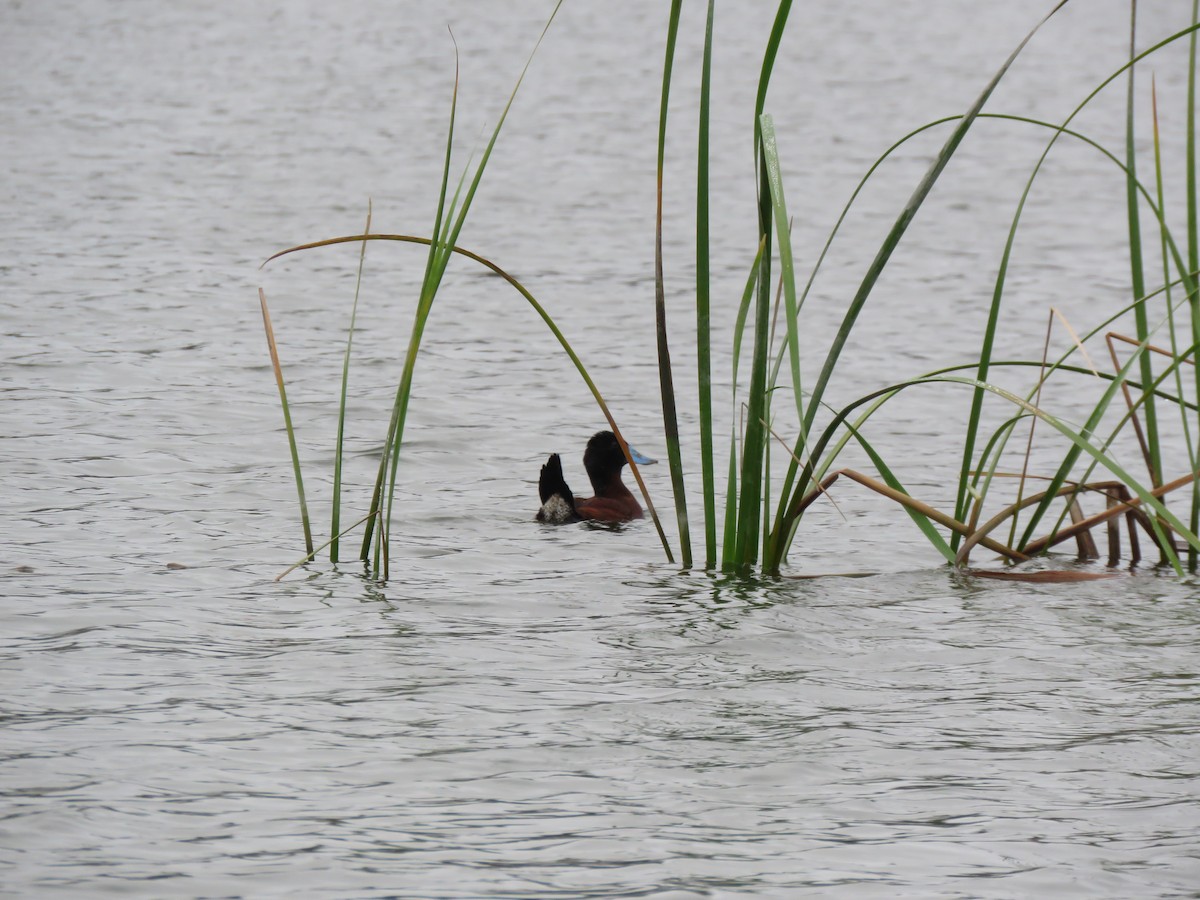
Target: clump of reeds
(756,531)
(760,519)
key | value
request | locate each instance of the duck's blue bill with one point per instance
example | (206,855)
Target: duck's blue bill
(640,458)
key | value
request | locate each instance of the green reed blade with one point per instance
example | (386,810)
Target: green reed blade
(390,457)
(341,423)
(703,333)
(1164,246)
(1137,273)
(399,404)
(755,439)
(287,419)
(666,380)
(1193,240)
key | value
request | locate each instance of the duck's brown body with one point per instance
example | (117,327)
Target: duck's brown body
(612,501)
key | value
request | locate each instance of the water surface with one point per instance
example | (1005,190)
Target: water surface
(529,712)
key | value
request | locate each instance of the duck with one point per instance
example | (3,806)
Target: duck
(613,502)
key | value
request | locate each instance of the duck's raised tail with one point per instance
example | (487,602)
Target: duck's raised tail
(558,503)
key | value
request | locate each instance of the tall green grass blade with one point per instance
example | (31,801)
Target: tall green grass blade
(287,420)
(665,377)
(1193,238)
(755,439)
(1171,325)
(703,324)
(1137,273)
(336,514)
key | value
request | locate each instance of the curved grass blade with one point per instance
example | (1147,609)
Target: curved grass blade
(545,317)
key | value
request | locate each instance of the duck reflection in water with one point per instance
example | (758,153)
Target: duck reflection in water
(612,502)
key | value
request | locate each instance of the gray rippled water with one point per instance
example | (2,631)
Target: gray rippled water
(527,712)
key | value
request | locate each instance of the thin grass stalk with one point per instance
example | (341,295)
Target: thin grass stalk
(389,460)
(703,289)
(1137,273)
(287,420)
(666,379)
(772,380)
(754,439)
(336,513)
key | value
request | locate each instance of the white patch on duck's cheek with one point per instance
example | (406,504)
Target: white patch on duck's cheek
(556,511)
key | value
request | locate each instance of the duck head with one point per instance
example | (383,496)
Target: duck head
(604,460)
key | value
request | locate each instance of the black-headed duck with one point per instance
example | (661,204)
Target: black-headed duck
(612,502)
